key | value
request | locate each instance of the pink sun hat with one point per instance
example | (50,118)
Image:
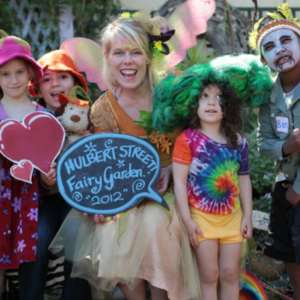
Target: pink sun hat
(13,47)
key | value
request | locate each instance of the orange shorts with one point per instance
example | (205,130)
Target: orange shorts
(225,228)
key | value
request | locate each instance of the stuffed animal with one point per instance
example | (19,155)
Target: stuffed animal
(74,113)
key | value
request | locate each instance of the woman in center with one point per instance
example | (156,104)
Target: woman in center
(147,243)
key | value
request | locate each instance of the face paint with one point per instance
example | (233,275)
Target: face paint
(123,44)
(281,50)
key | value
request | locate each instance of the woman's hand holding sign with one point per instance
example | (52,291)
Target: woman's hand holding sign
(165,177)
(162,185)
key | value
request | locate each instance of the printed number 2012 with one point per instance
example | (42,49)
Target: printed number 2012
(107,198)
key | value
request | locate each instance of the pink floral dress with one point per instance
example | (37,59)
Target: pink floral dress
(18,214)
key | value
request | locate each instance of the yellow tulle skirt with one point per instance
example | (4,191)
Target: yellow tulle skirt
(153,247)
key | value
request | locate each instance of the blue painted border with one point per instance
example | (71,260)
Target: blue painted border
(152,191)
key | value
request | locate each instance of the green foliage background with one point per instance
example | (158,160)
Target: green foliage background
(89,15)
(6,17)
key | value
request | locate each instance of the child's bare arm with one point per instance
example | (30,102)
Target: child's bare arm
(180,175)
(246,199)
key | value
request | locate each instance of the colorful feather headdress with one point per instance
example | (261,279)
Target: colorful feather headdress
(282,19)
(169,39)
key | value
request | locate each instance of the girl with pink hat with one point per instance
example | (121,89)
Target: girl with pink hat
(18,200)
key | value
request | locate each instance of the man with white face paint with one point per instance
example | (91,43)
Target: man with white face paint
(276,37)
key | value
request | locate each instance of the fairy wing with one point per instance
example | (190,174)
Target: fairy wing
(189,20)
(89,57)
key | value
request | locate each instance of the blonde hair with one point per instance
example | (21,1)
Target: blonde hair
(136,33)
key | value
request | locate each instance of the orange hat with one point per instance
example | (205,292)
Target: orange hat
(58,60)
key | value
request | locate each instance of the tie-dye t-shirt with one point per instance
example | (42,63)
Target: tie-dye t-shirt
(214,169)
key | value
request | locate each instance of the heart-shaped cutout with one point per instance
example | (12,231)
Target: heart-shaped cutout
(22,171)
(38,139)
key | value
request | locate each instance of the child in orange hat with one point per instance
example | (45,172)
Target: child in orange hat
(60,76)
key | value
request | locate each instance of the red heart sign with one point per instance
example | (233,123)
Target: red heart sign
(22,171)
(38,139)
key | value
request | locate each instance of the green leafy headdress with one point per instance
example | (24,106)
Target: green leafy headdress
(176,96)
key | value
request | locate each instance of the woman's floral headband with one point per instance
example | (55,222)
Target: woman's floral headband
(157,42)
